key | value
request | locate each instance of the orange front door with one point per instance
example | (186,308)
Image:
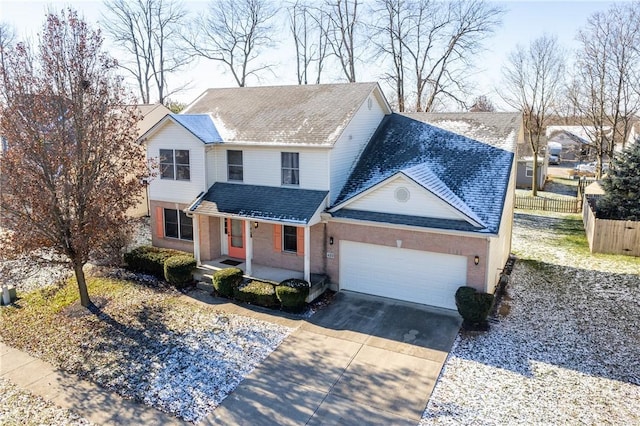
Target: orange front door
(235,238)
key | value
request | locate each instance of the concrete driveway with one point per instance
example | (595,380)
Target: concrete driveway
(362,360)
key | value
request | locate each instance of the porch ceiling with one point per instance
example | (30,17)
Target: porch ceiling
(276,204)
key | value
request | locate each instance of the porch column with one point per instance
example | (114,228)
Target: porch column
(307,254)
(249,248)
(196,238)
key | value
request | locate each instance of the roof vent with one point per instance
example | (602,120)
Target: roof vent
(402,194)
(369,103)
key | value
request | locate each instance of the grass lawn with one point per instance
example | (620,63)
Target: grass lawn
(564,348)
(143,342)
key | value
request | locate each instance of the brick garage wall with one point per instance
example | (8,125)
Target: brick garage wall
(264,253)
(158,221)
(411,239)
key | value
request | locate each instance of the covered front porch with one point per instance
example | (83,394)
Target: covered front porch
(267,229)
(206,269)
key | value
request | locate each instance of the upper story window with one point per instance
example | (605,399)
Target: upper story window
(174,164)
(234,166)
(290,168)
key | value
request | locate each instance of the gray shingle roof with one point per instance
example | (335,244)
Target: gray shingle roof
(476,172)
(399,219)
(302,114)
(260,202)
(200,125)
(495,128)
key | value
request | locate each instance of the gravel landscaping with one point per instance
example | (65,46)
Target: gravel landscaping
(19,407)
(564,346)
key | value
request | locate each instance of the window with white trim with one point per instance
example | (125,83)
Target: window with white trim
(529,171)
(174,164)
(178,225)
(290,168)
(234,166)
(290,239)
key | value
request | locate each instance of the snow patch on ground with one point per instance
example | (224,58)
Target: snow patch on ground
(567,351)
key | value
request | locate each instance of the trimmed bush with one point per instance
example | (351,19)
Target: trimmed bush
(292,299)
(226,280)
(292,294)
(473,306)
(178,270)
(257,292)
(149,260)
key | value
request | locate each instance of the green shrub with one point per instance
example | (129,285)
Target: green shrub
(178,270)
(257,292)
(473,306)
(149,259)
(291,298)
(296,283)
(226,280)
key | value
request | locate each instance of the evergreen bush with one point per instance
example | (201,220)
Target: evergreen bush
(178,270)
(226,280)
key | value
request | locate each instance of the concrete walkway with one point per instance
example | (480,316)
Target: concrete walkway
(86,399)
(363,360)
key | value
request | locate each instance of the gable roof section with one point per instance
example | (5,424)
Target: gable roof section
(200,125)
(424,177)
(470,175)
(313,115)
(278,204)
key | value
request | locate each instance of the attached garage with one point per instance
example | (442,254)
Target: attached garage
(411,275)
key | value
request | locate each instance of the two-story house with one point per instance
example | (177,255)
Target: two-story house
(326,179)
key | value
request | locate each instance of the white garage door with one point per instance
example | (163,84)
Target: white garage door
(411,275)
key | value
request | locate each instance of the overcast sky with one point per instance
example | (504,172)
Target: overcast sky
(524,21)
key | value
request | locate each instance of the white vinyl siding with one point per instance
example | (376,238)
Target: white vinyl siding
(263,166)
(174,137)
(420,203)
(351,143)
(410,275)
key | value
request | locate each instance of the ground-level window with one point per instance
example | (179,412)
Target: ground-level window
(178,225)
(290,238)
(529,171)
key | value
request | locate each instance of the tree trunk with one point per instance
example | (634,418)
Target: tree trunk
(82,284)
(534,185)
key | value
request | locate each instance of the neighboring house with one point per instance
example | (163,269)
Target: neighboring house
(325,179)
(151,114)
(574,147)
(524,173)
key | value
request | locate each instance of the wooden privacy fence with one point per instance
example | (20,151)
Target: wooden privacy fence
(609,236)
(548,204)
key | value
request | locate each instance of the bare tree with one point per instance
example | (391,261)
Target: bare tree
(389,31)
(150,32)
(532,82)
(308,26)
(433,44)
(234,32)
(606,83)
(7,39)
(344,23)
(72,146)
(482,104)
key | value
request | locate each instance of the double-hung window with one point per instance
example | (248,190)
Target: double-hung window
(178,225)
(234,166)
(290,239)
(290,168)
(174,164)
